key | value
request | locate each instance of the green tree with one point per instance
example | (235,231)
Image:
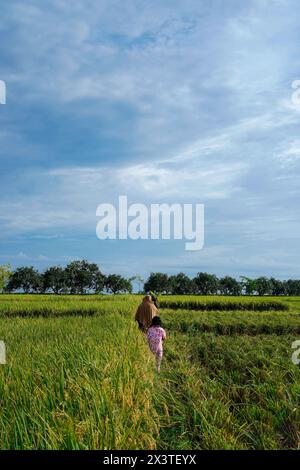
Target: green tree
(293,287)
(206,284)
(278,287)
(263,286)
(157,282)
(230,286)
(117,284)
(99,281)
(55,280)
(5,274)
(81,276)
(249,285)
(180,284)
(27,279)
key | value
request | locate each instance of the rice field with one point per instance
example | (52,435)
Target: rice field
(79,374)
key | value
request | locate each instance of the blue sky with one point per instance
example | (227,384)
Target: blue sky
(164,101)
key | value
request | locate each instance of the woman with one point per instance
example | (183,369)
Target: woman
(145,313)
(154,299)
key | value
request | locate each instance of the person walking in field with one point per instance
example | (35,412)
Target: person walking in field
(154,299)
(145,313)
(155,336)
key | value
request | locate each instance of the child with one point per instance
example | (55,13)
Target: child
(156,335)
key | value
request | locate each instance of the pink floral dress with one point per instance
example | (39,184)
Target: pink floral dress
(155,337)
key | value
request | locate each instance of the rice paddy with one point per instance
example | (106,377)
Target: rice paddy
(79,374)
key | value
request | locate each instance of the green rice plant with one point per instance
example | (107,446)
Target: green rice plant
(12,305)
(76,383)
(79,375)
(229,393)
(64,305)
(225,305)
(231,323)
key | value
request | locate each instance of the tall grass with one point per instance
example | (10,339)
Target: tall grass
(12,305)
(229,393)
(221,305)
(231,323)
(79,375)
(76,383)
(64,305)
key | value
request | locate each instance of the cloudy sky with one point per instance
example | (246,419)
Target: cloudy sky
(163,101)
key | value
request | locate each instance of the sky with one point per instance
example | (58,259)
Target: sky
(163,101)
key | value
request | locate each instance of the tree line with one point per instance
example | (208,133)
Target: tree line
(78,277)
(82,277)
(209,284)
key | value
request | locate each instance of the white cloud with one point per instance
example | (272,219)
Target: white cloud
(196,98)
(290,155)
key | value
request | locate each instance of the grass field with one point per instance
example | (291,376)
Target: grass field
(79,374)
